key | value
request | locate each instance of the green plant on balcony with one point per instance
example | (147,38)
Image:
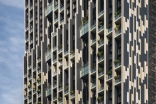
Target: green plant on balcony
(116,62)
(100,40)
(71,92)
(117,13)
(100,69)
(38,91)
(67,87)
(117,77)
(84,19)
(60,46)
(110,72)
(38,57)
(38,80)
(100,24)
(117,27)
(100,98)
(71,52)
(60,59)
(99,54)
(60,86)
(60,98)
(49,46)
(29,75)
(29,85)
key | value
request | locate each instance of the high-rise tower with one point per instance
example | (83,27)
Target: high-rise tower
(89,52)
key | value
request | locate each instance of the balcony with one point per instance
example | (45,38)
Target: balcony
(31,7)
(100,28)
(31,30)
(31,41)
(54,98)
(66,53)
(66,66)
(55,73)
(25,97)
(39,94)
(56,7)
(31,19)
(55,85)
(26,39)
(56,20)
(29,100)
(49,9)
(62,21)
(26,7)
(54,48)
(84,29)
(101,13)
(109,77)
(101,58)
(101,89)
(26,29)
(39,71)
(66,92)
(48,91)
(54,61)
(118,32)
(101,73)
(93,85)
(93,27)
(48,55)
(117,15)
(84,70)
(39,59)
(34,91)
(109,30)
(25,75)
(93,71)
(62,8)
(118,80)
(93,41)
(101,43)
(117,63)
(101,102)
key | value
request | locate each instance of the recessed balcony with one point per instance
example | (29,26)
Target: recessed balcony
(84,29)
(31,7)
(93,27)
(117,15)
(48,91)
(66,53)
(61,21)
(84,70)
(62,8)
(48,56)
(56,7)
(101,89)
(101,13)
(117,79)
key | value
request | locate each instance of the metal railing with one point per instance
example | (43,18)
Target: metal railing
(49,9)
(101,28)
(84,70)
(101,13)
(93,26)
(84,29)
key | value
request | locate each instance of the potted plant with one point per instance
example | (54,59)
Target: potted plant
(71,52)
(100,24)
(117,77)
(38,90)
(117,27)
(99,98)
(100,40)
(29,85)
(49,46)
(84,19)
(71,92)
(60,98)
(110,72)
(67,87)
(116,62)
(60,59)
(60,46)
(99,54)
(38,80)
(60,85)
(100,69)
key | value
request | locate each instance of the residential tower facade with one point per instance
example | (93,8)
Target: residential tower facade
(89,52)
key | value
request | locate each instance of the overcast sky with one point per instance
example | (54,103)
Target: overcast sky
(11,51)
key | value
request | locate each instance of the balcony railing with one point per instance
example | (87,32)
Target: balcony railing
(39,71)
(25,96)
(31,7)
(118,64)
(26,6)
(54,48)
(118,32)
(109,76)
(101,13)
(118,16)
(56,7)
(62,21)
(66,92)
(31,18)
(49,9)
(55,73)
(84,29)
(56,19)
(31,30)
(25,75)
(101,58)
(93,85)
(93,41)
(48,55)
(118,80)
(101,28)
(101,88)
(109,30)
(60,50)
(39,94)
(93,70)
(54,85)
(84,70)
(48,91)
(101,43)
(101,73)
(103,103)
(62,8)
(66,53)
(54,98)
(93,26)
